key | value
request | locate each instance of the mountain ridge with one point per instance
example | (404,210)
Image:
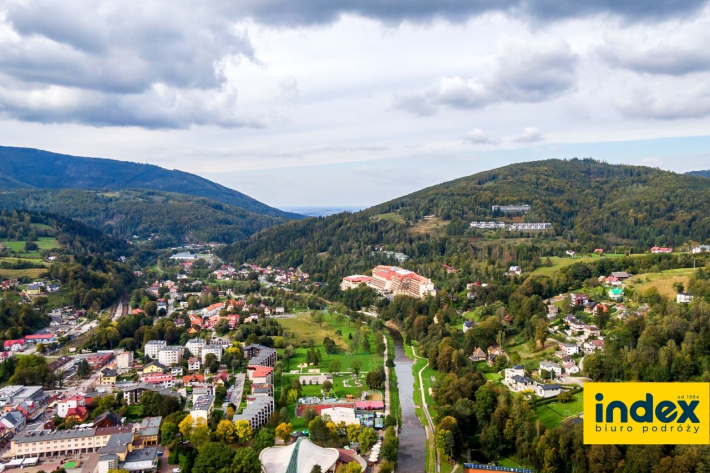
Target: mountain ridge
(30,168)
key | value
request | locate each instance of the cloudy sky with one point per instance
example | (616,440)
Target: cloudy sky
(305,102)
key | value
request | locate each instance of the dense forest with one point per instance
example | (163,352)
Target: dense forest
(175,218)
(26,168)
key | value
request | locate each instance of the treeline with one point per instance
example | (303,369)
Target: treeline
(175,218)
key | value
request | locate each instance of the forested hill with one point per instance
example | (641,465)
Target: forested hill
(26,168)
(590,204)
(174,218)
(700,173)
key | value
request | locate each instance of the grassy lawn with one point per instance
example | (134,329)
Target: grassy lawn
(394,216)
(662,281)
(43,243)
(495,377)
(507,462)
(552,414)
(558,263)
(134,411)
(304,328)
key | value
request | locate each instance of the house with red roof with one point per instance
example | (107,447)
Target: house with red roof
(14,345)
(260,374)
(657,249)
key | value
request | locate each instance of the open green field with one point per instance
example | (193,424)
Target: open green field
(394,216)
(495,377)
(662,281)
(508,463)
(304,328)
(559,263)
(554,413)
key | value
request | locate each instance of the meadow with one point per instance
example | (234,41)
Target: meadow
(552,414)
(662,281)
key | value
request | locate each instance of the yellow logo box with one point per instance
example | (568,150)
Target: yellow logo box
(647,413)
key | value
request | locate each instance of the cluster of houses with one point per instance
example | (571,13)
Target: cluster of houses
(279,275)
(131,447)
(517,381)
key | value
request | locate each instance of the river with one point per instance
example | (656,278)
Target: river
(411,457)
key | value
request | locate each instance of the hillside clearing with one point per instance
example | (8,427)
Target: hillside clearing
(662,281)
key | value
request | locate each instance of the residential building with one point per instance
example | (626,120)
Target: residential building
(13,394)
(195,346)
(550,368)
(215,350)
(552,311)
(202,406)
(571,368)
(149,430)
(14,421)
(547,390)
(160,379)
(44,338)
(64,406)
(124,361)
(478,355)
(593,345)
(616,294)
(154,368)
(260,355)
(153,347)
(701,249)
(108,376)
(468,325)
(578,300)
(63,443)
(568,349)
(132,392)
(620,275)
(683,298)
(194,364)
(515,271)
(15,345)
(263,374)
(657,249)
(257,411)
(170,355)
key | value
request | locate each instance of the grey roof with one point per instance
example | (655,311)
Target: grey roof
(549,387)
(117,443)
(253,408)
(150,426)
(62,434)
(142,454)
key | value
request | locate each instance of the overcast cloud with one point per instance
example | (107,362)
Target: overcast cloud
(247,92)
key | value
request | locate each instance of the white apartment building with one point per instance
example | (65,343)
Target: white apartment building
(216,350)
(153,347)
(170,355)
(124,360)
(257,412)
(195,346)
(62,443)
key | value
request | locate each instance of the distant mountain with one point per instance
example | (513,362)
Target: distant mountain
(174,218)
(26,168)
(319,211)
(590,204)
(700,173)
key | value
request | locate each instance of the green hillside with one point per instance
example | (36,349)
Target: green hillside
(175,218)
(25,168)
(590,204)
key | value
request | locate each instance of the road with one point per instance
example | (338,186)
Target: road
(236,396)
(387,381)
(430,430)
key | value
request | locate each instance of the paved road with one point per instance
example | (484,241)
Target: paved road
(430,430)
(387,381)
(236,396)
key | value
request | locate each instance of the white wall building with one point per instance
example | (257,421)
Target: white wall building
(153,347)
(170,355)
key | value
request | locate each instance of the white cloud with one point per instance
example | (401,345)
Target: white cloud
(477,137)
(529,135)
